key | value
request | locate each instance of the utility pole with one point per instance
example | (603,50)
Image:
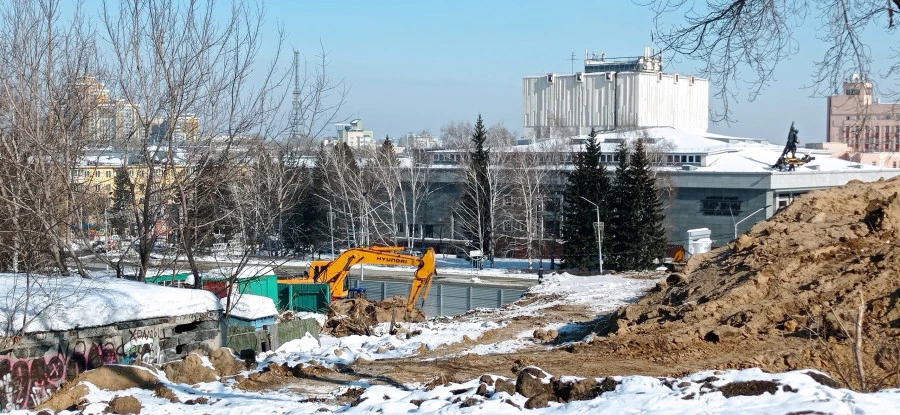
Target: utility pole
(296,110)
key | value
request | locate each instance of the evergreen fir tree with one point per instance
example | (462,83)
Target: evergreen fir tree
(588,180)
(386,154)
(121,217)
(623,213)
(475,200)
(650,218)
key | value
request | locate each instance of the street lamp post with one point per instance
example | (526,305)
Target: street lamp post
(598,227)
(330,221)
(748,217)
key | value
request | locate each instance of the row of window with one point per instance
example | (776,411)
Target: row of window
(96,187)
(872,131)
(876,117)
(682,158)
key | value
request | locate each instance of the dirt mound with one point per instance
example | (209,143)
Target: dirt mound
(191,370)
(125,405)
(226,363)
(792,286)
(357,315)
(108,377)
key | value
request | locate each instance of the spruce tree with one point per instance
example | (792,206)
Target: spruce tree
(475,200)
(623,212)
(650,218)
(121,217)
(386,154)
(588,180)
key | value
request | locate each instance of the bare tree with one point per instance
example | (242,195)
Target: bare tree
(737,39)
(189,71)
(47,115)
(534,170)
(457,134)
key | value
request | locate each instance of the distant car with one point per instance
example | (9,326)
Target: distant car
(98,246)
(413,252)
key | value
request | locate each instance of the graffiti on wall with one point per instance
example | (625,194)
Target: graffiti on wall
(27,382)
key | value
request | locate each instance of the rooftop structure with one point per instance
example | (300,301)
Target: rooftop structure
(612,95)
(650,62)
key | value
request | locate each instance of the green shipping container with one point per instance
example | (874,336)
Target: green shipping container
(169,279)
(266,286)
(304,297)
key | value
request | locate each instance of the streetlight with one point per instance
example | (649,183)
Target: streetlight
(598,227)
(330,221)
(748,217)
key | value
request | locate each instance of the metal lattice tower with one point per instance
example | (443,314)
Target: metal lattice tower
(295,111)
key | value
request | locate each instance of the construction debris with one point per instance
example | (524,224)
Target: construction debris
(359,315)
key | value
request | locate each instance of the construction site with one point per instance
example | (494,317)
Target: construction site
(805,299)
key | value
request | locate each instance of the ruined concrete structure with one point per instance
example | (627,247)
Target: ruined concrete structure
(36,364)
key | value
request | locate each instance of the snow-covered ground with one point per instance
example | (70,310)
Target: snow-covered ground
(701,392)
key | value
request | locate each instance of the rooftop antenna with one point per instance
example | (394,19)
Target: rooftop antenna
(573,59)
(295,110)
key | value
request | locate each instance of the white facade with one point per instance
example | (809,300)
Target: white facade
(354,135)
(562,105)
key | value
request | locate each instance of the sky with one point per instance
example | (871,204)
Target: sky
(414,66)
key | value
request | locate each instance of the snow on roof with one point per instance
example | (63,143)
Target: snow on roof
(722,153)
(64,303)
(755,158)
(251,307)
(240,273)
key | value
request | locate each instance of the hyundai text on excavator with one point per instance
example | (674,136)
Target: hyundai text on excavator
(335,272)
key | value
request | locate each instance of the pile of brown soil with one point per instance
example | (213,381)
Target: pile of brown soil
(788,293)
(358,315)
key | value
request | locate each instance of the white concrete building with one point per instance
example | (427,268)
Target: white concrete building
(642,96)
(354,135)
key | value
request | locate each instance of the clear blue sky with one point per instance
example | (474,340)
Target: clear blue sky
(415,65)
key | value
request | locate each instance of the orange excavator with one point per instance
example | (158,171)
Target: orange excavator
(335,272)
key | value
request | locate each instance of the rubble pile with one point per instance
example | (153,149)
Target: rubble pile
(359,315)
(795,284)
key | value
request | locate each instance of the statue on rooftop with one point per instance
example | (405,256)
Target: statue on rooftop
(792,142)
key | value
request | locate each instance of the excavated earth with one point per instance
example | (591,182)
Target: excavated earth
(786,295)
(789,294)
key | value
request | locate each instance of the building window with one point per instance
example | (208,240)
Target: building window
(97,187)
(720,206)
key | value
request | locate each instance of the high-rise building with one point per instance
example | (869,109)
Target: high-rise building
(127,121)
(857,119)
(187,128)
(613,94)
(91,115)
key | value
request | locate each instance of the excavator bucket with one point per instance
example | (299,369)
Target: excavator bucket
(422,281)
